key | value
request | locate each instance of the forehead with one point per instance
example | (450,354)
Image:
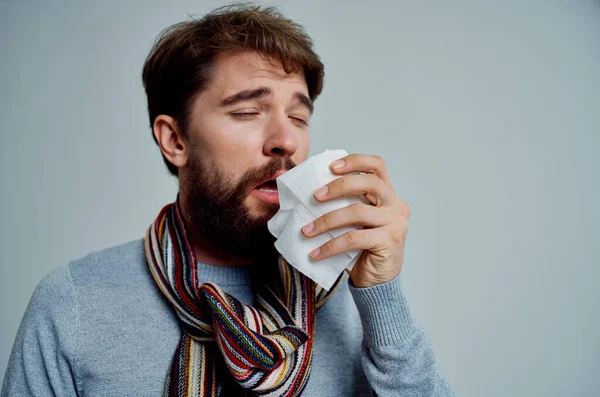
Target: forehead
(242,70)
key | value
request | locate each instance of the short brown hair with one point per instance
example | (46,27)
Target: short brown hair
(180,62)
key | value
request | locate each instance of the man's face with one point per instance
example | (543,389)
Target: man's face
(247,127)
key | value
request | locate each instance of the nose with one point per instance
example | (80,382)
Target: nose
(281,138)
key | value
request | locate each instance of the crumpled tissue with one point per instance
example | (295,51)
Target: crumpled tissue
(298,207)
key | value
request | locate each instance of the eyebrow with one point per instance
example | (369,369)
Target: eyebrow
(245,95)
(304,100)
(261,92)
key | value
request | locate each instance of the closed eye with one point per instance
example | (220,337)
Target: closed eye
(249,115)
(302,121)
(243,115)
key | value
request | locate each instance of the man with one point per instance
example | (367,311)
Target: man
(203,305)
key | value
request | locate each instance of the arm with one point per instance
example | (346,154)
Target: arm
(397,355)
(41,360)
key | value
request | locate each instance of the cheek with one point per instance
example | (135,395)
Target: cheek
(303,148)
(232,145)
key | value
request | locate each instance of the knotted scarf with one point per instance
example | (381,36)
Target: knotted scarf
(228,348)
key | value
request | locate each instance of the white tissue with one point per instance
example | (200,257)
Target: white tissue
(298,208)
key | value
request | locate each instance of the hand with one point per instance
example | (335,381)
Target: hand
(384,220)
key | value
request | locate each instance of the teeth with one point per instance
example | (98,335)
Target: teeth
(267,190)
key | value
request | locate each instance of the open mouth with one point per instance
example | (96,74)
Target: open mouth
(267,192)
(268,186)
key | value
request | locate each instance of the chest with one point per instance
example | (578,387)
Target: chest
(127,350)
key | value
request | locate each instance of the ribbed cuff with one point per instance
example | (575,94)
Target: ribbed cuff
(384,312)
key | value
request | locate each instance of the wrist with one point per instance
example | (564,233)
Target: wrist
(384,312)
(366,281)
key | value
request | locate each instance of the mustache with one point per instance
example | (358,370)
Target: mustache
(259,175)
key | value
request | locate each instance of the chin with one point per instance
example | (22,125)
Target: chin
(259,209)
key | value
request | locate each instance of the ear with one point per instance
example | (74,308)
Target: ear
(170,139)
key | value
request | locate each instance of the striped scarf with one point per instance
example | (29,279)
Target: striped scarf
(267,349)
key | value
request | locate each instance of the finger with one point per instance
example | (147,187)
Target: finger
(366,239)
(362,163)
(355,214)
(370,185)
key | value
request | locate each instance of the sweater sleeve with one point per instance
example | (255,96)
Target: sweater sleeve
(397,355)
(41,362)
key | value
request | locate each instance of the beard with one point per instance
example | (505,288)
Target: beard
(215,206)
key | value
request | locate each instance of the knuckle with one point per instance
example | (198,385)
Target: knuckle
(379,162)
(340,184)
(372,183)
(373,179)
(397,237)
(325,220)
(406,210)
(327,248)
(352,237)
(358,210)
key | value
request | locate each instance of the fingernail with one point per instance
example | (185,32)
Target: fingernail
(315,252)
(321,191)
(337,164)
(308,228)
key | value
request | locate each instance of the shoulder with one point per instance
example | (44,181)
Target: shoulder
(117,265)
(89,293)
(53,297)
(57,293)
(49,322)
(58,296)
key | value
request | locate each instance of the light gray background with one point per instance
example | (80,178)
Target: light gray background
(487,113)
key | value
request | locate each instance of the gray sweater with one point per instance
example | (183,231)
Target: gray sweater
(100,327)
